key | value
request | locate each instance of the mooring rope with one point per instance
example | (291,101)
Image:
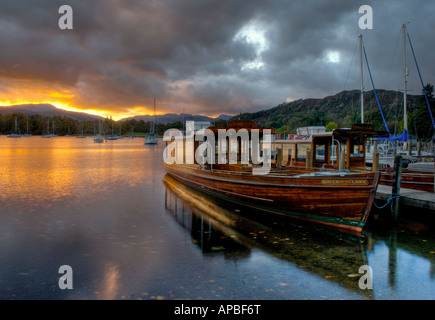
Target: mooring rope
(389,200)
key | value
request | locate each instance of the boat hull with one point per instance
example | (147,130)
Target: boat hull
(342,201)
(151,141)
(423,181)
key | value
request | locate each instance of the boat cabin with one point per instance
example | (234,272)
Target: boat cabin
(339,149)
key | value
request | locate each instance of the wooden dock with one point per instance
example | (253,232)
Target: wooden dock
(408,197)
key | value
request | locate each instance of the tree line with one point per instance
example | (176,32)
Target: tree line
(60,125)
(287,117)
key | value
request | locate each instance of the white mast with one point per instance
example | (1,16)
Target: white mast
(362,81)
(405,84)
(154,116)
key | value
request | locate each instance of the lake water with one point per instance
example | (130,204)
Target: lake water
(128,231)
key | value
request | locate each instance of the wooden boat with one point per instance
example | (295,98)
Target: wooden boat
(339,198)
(217,229)
(16,133)
(410,179)
(325,155)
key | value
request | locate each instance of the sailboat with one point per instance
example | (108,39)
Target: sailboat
(405,149)
(27,134)
(53,134)
(132,134)
(151,139)
(412,177)
(112,137)
(48,135)
(82,135)
(120,136)
(15,134)
(99,138)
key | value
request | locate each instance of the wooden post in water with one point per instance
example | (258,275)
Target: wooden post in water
(375,165)
(342,160)
(397,177)
(433,154)
(279,158)
(309,160)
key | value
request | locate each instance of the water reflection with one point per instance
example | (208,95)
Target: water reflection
(110,283)
(219,230)
(402,257)
(42,172)
(130,232)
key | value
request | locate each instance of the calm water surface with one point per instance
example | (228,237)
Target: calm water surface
(128,231)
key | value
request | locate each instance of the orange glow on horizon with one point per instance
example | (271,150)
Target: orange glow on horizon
(63,100)
(131,112)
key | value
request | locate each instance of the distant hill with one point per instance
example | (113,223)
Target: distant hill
(47,110)
(50,110)
(343,108)
(182,117)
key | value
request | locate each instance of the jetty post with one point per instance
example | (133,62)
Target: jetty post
(309,160)
(279,158)
(397,177)
(342,163)
(375,164)
(433,155)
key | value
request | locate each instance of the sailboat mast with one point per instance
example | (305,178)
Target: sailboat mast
(362,80)
(154,116)
(405,81)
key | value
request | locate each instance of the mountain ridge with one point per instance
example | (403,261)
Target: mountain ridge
(46,109)
(343,108)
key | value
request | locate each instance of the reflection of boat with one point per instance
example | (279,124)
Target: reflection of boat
(340,198)
(151,139)
(217,229)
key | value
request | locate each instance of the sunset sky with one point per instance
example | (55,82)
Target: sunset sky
(204,56)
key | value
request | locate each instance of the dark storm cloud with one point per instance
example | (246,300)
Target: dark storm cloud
(191,55)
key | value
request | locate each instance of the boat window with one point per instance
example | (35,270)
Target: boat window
(301,151)
(320,153)
(357,151)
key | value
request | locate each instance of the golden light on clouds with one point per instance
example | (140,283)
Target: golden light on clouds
(64,100)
